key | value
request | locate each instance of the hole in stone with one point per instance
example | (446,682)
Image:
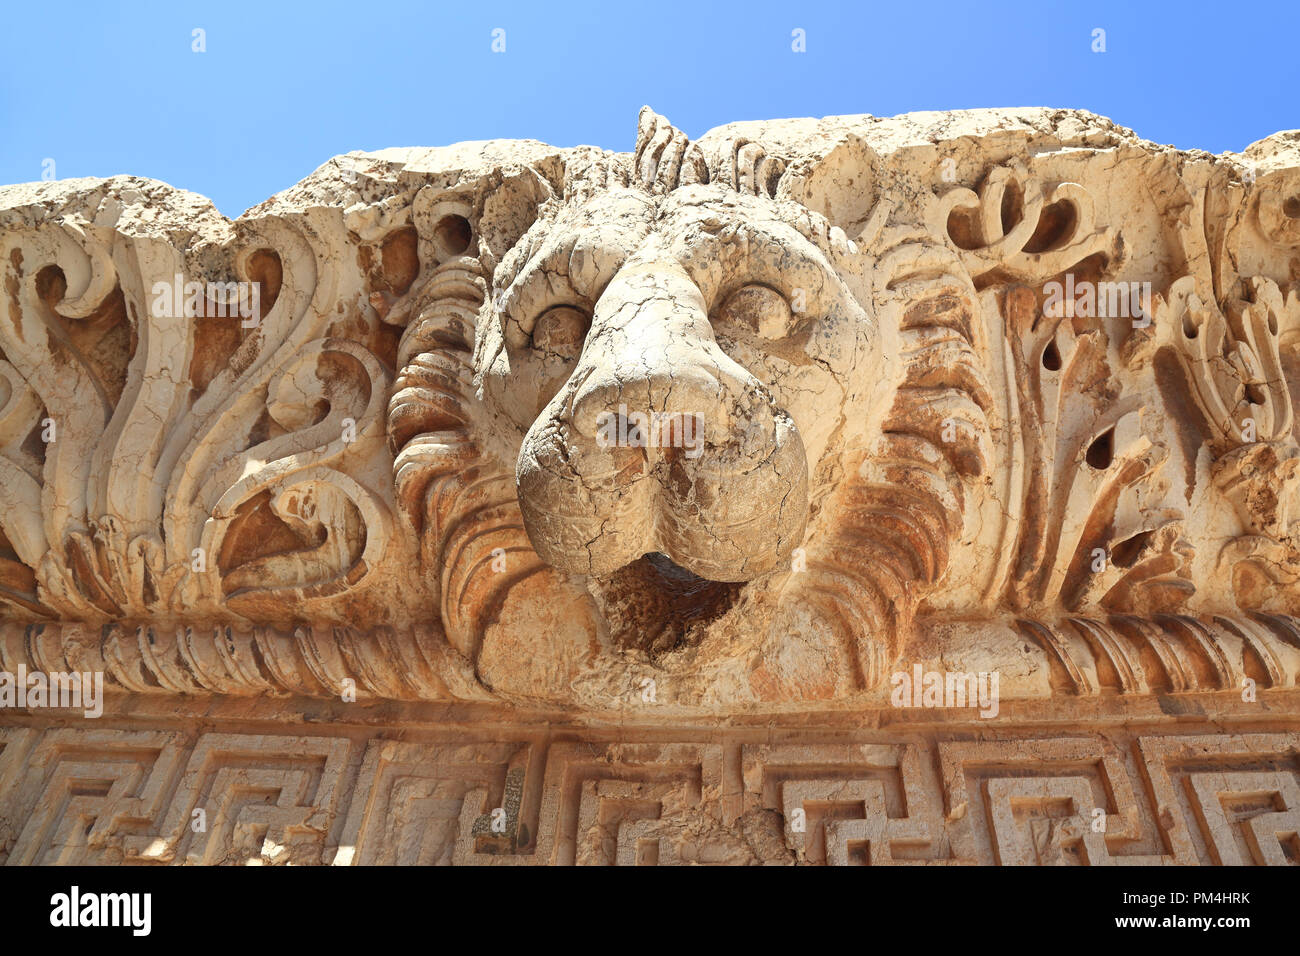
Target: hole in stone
(1102,450)
(1056,226)
(51,285)
(1292,207)
(1127,551)
(1052,357)
(452,234)
(1013,206)
(400,260)
(655,606)
(266,269)
(1255,395)
(962,230)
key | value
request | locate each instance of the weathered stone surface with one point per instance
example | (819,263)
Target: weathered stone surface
(764,426)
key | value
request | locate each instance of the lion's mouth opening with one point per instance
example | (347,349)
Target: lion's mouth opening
(655,606)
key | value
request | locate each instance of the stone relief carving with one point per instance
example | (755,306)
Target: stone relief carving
(97,797)
(757,418)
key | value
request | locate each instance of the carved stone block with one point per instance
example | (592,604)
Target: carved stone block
(862,490)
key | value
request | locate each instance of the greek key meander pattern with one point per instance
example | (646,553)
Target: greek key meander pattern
(463,798)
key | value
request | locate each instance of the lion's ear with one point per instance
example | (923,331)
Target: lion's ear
(840,180)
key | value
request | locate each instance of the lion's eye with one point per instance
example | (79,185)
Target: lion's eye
(561,331)
(758,309)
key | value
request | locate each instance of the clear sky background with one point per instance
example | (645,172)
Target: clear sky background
(107,87)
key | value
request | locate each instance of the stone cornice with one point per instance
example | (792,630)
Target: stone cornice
(992,391)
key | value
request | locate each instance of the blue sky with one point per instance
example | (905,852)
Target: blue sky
(104,88)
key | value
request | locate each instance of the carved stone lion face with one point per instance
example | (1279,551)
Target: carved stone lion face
(673,366)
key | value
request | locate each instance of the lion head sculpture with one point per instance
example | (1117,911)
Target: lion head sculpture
(628,421)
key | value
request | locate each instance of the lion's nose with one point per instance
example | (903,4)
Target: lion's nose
(662,443)
(653,366)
